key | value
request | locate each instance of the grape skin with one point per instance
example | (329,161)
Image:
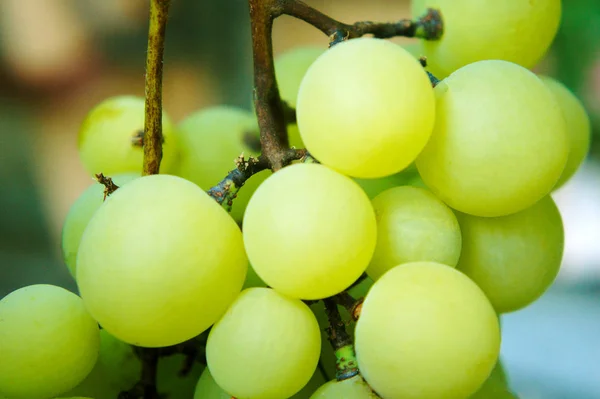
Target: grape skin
(48,341)
(413,225)
(352,388)
(499,144)
(266,346)
(365,108)
(578,127)
(160,280)
(79,216)
(424,322)
(512,30)
(513,258)
(311,210)
(105,138)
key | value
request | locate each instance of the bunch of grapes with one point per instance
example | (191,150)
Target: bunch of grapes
(440,196)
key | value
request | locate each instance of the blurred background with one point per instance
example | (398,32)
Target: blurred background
(58,58)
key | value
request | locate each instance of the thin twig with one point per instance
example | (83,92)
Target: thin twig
(153,137)
(146,387)
(108,183)
(353,306)
(346,366)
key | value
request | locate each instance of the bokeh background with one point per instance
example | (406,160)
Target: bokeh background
(58,58)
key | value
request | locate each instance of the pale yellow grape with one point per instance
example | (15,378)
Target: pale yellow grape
(311,210)
(366,108)
(266,346)
(48,342)
(207,388)
(211,140)
(106,137)
(499,143)
(423,322)
(160,262)
(374,187)
(352,388)
(80,214)
(513,30)
(578,127)
(413,225)
(290,68)
(513,258)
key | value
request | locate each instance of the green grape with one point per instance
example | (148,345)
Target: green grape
(160,280)
(211,140)
(578,127)
(48,342)
(499,143)
(322,217)
(80,214)
(495,387)
(513,258)
(265,346)
(366,108)
(512,30)
(169,381)
(413,225)
(290,68)
(423,322)
(352,388)
(107,138)
(207,388)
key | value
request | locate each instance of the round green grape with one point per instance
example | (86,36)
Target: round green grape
(48,342)
(110,136)
(423,322)
(374,187)
(578,127)
(160,262)
(513,258)
(512,30)
(351,388)
(322,217)
(495,387)
(290,68)
(499,143)
(79,216)
(265,346)
(366,108)
(413,225)
(207,388)
(211,140)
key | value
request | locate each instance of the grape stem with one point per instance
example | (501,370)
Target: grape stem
(346,365)
(353,306)
(153,137)
(108,183)
(146,387)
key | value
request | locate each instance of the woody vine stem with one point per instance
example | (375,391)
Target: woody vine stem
(271,113)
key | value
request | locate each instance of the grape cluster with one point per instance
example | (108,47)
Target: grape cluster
(442,196)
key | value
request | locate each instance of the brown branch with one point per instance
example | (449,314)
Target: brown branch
(353,306)
(428,27)
(340,340)
(153,137)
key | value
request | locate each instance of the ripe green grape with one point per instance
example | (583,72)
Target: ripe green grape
(321,217)
(265,346)
(366,108)
(352,388)
(107,138)
(413,225)
(578,127)
(290,68)
(513,258)
(160,280)
(211,140)
(423,322)
(48,342)
(499,143)
(80,214)
(513,30)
